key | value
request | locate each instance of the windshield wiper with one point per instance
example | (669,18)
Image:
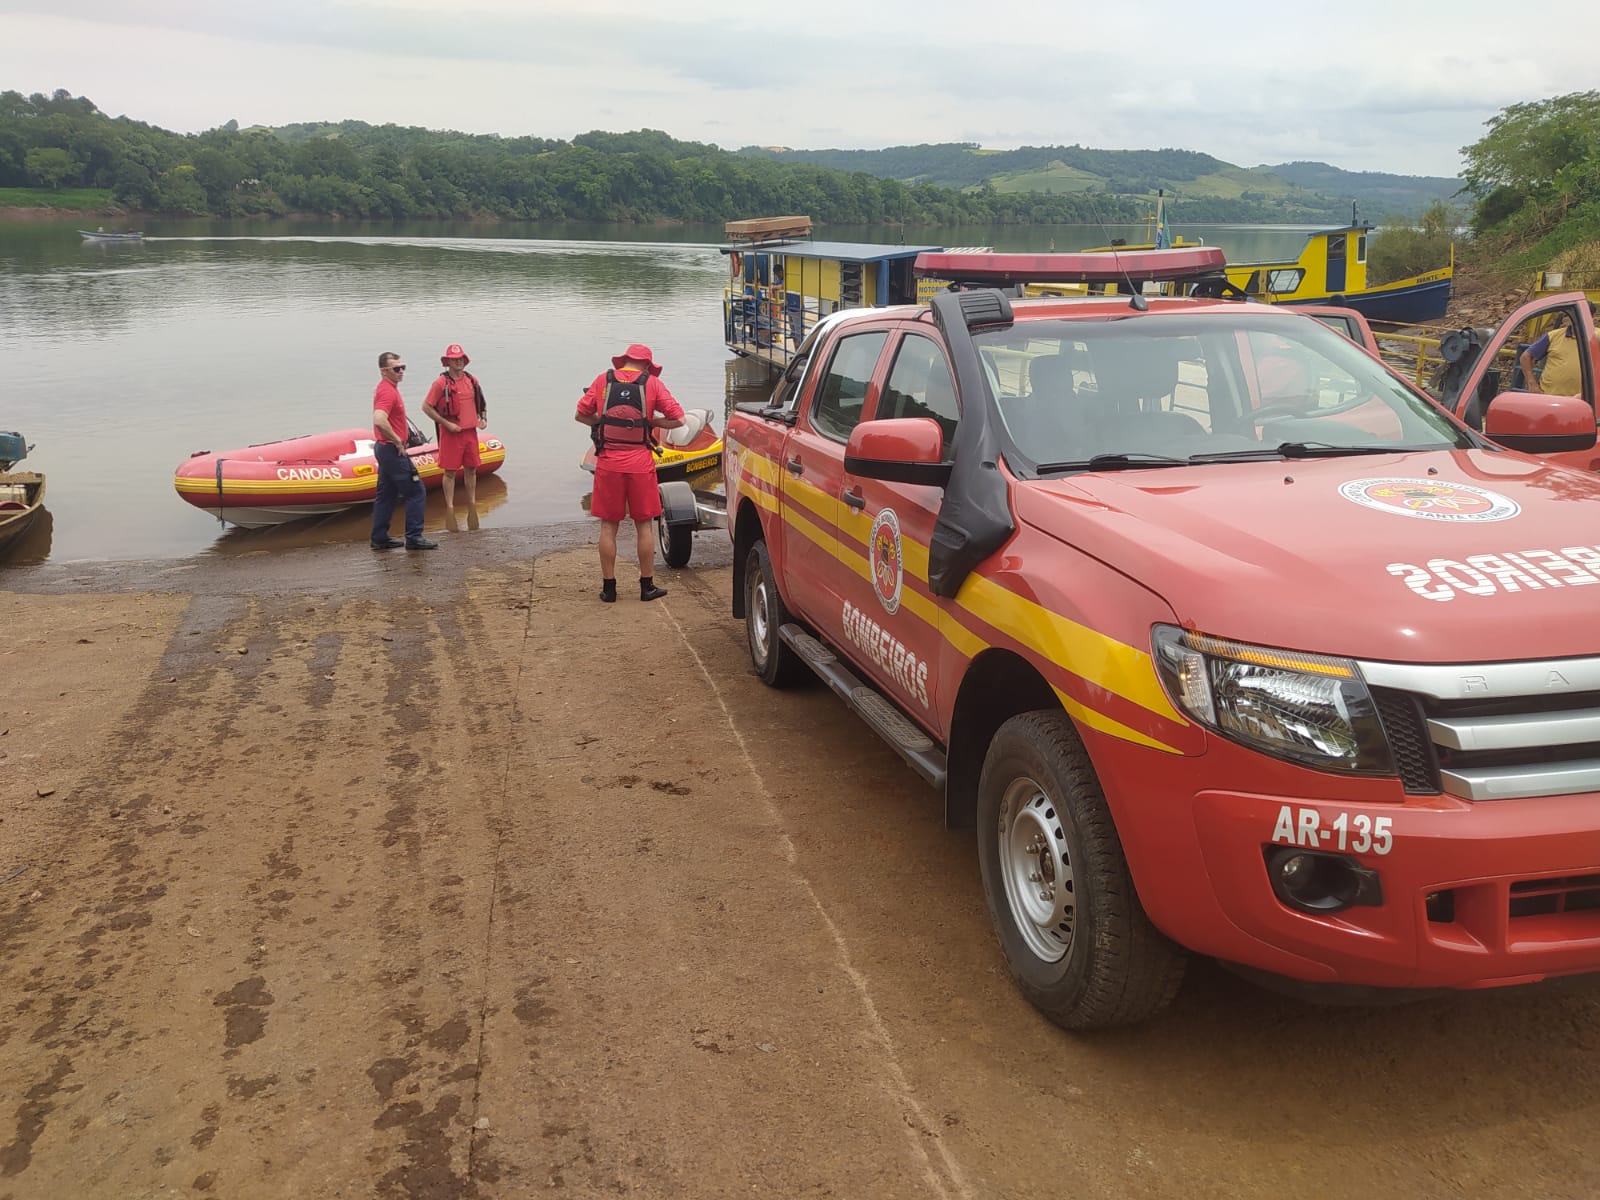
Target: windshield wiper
(1332,450)
(1114,462)
(1300,450)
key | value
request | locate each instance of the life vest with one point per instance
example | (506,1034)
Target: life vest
(623,414)
(447,402)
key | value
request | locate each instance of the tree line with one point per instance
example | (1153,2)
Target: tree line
(354,169)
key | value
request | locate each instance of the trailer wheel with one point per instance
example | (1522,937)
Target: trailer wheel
(764,614)
(676,542)
(1073,933)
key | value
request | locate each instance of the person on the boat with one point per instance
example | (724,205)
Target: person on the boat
(455,403)
(397,475)
(623,408)
(1558,356)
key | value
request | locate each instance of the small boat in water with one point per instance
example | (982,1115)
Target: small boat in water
(690,450)
(290,480)
(110,235)
(21,492)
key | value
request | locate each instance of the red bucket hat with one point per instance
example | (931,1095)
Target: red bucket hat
(453,350)
(638,353)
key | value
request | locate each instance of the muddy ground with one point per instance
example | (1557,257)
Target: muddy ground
(331,874)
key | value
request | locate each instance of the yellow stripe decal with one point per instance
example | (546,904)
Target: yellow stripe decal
(1098,720)
(763,469)
(813,498)
(1103,661)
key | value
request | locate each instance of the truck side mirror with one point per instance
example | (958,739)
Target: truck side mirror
(1539,424)
(898,450)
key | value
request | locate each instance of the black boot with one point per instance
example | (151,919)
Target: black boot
(648,589)
(608,590)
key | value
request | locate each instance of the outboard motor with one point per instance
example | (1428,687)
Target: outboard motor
(1460,350)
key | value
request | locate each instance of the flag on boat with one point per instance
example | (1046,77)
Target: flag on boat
(1163,234)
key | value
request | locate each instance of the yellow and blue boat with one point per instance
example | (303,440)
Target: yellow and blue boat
(1332,269)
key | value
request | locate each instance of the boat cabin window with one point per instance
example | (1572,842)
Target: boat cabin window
(842,391)
(1284,280)
(920,385)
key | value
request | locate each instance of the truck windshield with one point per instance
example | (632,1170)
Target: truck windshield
(1180,388)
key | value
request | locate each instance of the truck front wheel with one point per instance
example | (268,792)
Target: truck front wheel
(1070,924)
(764,614)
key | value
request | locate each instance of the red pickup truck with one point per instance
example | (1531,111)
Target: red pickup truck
(1226,638)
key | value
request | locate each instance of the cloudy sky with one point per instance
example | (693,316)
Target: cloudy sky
(1389,86)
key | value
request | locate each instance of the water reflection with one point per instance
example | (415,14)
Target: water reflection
(354,525)
(212,334)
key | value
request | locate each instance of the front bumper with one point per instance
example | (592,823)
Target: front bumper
(1485,894)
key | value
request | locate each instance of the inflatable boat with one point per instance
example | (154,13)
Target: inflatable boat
(303,477)
(685,452)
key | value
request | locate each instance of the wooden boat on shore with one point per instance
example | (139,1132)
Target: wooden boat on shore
(290,480)
(687,452)
(109,235)
(21,500)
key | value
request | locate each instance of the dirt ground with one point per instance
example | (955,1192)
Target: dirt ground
(332,874)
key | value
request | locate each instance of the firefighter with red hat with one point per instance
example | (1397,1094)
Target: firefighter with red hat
(455,403)
(623,408)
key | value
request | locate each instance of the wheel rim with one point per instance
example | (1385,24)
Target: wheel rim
(760,620)
(662,543)
(1037,870)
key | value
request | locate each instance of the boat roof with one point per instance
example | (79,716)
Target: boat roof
(850,252)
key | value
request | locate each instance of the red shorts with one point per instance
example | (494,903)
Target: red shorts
(634,493)
(457,450)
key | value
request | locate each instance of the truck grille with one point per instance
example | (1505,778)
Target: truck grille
(1496,731)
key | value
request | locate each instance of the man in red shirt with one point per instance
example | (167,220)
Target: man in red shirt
(397,476)
(455,402)
(624,406)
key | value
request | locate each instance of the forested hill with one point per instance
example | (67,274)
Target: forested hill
(1201,187)
(1376,191)
(354,169)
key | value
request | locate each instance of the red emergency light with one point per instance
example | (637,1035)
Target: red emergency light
(1100,266)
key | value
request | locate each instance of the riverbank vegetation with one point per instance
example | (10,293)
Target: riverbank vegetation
(1535,177)
(353,169)
(63,199)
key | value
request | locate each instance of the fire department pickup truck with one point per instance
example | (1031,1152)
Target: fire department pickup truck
(1227,639)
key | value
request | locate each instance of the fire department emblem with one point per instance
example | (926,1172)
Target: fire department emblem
(1430,499)
(887,560)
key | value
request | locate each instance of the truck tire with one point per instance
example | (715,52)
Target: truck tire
(1073,933)
(764,615)
(676,542)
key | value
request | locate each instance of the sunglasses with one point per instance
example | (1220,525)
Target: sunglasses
(397,366)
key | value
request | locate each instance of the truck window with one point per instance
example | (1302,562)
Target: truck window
(920,386)
(1199,385)
(842,392)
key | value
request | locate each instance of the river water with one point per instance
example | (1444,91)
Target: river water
(121,360)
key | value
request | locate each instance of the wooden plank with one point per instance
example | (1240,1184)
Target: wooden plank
(764,229)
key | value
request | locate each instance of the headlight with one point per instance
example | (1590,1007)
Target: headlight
(1307,708)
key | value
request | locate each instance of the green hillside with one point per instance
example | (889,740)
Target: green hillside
(1200,186)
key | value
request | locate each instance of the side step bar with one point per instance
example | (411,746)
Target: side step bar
(887,721)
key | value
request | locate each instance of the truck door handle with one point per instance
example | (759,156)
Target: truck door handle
(794,465)
(855,499)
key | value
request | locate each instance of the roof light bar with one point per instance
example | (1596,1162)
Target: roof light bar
(1111,266)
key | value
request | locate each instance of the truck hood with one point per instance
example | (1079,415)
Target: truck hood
(1438,556)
